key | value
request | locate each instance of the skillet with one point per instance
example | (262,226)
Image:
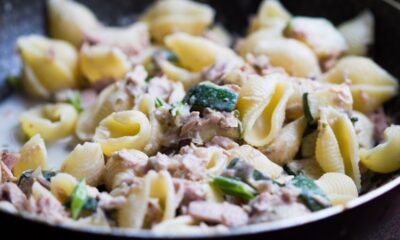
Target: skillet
(374,215)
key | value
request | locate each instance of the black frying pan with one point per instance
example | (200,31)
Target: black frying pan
(375,215)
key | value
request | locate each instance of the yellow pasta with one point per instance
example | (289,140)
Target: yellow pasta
(196,53)
(359,33)
(155,185)
(262,103)
(32,155)
(338,187)
(337,146)
(48,65)
(385,157)
(126,129)
(170,16)
(364,130)
(291,55)
(248,45)
(308,167)
(102,62)
(287,143)
(180,74)
(51,121)
(270,14)
(370,85)
(258,160)
(69,20)
(85,162)
(62,186)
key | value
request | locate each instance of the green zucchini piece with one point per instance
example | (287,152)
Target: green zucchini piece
(209,95)
(310,193)
(78,199)
(234,187)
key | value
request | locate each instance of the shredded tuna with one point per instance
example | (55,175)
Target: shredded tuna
(160,87)
(223,142)
(48,208)
(9,158)
(131,161)
(379,120)
(107,201)
(224,213)
(11,193)
(6,174)
(154,212)
(188,191)
(218,72)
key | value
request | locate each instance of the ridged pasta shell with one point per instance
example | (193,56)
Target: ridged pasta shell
(287,143)
(33,154)
(44,61)
(123,130)
(337,146)
(308,144)
(308,167)
(370,85)
(262,103)
(196,53)
(255,158)
(85,162)
(171,16)
(338,187)
(217,160)
(112,99)
(364,130)
(385,157)
(155,185)
(51,121)
(250,42)
(62,185)
(177,73)
(270,14)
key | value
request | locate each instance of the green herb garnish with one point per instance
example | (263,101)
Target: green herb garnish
(234,187)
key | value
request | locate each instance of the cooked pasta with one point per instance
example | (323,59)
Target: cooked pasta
(163,126)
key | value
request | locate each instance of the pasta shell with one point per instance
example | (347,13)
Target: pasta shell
(123,130)
(62,186)
(196,53)
(85,162)
(370,85)
(51,121)
(248,45)
(262,104)
(176,73)
(364,130)
(319,34)
(103,62)
(217,160)
(69,20)
(171,16)
(270,14)
(155,185)
(308,167)
(48,65)
(338,187)
(385,157)
(33,154)
(255,158)
(359,33)
(287,143)
(38,191)
(308,144)
(291,55)
(112,99)
(336,146)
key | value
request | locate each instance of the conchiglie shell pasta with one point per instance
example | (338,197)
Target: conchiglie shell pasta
(196,53)
(51,121)
(271,14)
(32,155)
(262,103)
(85,162)
(126,129)
(48,65)
(364,130)
(337,146)
(103,62)
(114,98)
(285,146)
(248,45)
(291,55)
(370,85)
(170,16)
(69,20)
(62,185)
(385,157)
(308,167)
(338,187)
(38,191)
(258,160)
(155,185)
(176,73)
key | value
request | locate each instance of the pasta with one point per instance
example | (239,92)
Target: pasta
(262,105)
(166,17)
(125,129)
(336,148)
(33,155)
(44,61)
(173,125)
(85,161)
(384,158)
(370,85)
(51,121)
